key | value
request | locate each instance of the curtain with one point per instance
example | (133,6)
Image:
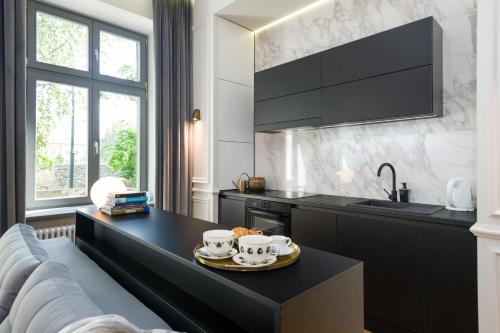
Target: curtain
(173,65)
(12,112)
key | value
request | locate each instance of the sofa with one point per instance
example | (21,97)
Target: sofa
(51,286)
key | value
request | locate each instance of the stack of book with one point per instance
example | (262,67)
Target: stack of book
(126,203)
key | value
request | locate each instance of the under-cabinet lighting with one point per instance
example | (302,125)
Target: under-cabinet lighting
(295,13)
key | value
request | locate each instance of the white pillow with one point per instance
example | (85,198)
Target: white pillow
(107,324)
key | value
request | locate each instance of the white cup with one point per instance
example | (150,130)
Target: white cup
(218,241)
(282,241)
(257,249)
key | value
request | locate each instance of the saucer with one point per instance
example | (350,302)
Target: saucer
(285,251)
(202,252)
(240,261)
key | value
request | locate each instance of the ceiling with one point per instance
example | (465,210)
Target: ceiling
(255,14)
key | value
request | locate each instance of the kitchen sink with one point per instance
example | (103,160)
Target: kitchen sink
(403,207)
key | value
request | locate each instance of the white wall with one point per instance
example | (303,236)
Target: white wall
(487,228)
(139,7)
(223,90)
(233,102)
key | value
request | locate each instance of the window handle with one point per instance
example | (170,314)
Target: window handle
(96,147)
(96,52)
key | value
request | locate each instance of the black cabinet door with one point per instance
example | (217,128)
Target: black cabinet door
(397,95)
(232,212)
(392,256)
(289,111)
(297,76)
(401,48)
(314,228)
(450,279)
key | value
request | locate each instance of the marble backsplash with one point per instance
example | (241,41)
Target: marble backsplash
(344,160)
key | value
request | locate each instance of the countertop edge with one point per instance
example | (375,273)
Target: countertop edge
(463,223)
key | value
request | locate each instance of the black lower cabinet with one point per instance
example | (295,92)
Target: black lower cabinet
(232,212)
(392,256)
(314,228)
(450,282)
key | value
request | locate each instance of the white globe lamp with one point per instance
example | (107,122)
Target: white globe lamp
(101,188)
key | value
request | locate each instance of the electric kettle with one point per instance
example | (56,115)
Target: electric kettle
(459,195)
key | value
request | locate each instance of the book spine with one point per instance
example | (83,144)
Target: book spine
(127,195)
(130,200)
(113,212)
(125,206)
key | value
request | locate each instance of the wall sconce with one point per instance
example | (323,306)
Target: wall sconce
(196,115)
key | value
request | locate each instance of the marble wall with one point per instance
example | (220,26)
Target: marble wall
(344,160)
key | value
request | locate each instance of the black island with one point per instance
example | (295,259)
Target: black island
(152,256)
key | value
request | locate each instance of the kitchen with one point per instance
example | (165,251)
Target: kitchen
(320,129)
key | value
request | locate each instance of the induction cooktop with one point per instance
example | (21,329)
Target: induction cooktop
(287,194)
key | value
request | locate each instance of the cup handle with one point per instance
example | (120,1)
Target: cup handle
(275,250)
(288,241)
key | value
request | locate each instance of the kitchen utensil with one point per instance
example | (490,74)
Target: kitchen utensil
(459,195)
(204,253)
(256,184)
(257,249)
(241,184)
(218,242)
(229,265)
(282,241)
(240,260)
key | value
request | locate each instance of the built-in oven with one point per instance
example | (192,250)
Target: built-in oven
(273,218)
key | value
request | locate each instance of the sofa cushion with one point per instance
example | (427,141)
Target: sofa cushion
(49,300)
(20,254)
(101,288)
(107,323)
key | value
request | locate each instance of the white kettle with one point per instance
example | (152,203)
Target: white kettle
(459,195)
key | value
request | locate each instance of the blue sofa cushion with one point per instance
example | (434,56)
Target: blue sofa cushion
(20,254)
(49,300)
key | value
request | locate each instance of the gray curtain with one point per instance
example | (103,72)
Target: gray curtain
(12,112)
(173,65)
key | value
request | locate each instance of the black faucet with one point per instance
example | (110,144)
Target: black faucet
(393,196)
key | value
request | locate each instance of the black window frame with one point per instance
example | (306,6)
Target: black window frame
(94,82)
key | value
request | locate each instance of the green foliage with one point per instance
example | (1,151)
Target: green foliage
(121,152)
(53,102)
(54,40)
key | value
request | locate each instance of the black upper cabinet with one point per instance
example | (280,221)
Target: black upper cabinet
(297,76)
(302,109)
(401,48)
(395,74)
(396,95)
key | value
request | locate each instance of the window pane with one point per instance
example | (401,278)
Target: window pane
(118,132)
(119,56)
(61,42)
(61,141)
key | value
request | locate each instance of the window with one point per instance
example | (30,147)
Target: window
(87,90)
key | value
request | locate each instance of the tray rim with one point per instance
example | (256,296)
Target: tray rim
(285,261)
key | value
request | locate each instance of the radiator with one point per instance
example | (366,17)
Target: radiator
(54,232)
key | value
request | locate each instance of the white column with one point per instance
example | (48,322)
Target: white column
(487,228)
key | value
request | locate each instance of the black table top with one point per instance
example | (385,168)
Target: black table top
(177,235)
(342,203)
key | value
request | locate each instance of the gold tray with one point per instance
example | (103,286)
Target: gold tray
(229,265)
